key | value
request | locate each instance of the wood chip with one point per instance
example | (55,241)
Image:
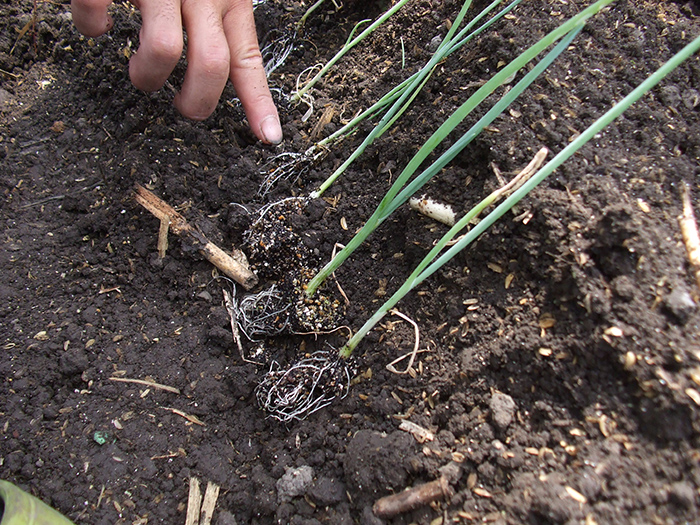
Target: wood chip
(421,434)
(495,267)
(576,495)
(412,498)
(325,119)
(509,280)
(606,425)
(547,321)
(590,520)
(41,336)
(482,492)
(614,331)
(689,231)
(693,394)
(236,270)
(163,236)
(695,375)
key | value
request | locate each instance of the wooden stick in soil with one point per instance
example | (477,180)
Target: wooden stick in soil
(179,226)
(194,502)
(163,237)
(689,230)
(209,503)
(411,499)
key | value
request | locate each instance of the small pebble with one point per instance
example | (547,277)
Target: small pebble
(680,304)
(691,98)
(502,410)
(5,97)
(434,43)
(295,482)
(670,96)
(682,495)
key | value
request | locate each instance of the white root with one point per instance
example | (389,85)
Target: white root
(433,209)
(263,314)
(305,387)
(276,52)
(412,354)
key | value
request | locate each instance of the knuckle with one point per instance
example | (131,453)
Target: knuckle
(167,48)
(215,63)
(236,6)
(248,57)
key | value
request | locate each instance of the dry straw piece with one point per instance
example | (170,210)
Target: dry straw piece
(689,230)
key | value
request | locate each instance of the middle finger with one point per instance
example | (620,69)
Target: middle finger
(208,60)
(160,45)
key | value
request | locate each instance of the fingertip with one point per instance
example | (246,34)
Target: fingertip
(93,28)
(91,17)
(201,113)
(271,130)
(145,76)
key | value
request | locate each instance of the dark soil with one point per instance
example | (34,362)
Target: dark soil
(567,396)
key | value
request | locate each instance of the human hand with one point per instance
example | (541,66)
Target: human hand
(222,44)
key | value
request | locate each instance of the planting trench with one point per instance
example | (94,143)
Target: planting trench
(559,365)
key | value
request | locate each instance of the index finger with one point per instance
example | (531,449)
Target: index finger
(90,16)
(248,72)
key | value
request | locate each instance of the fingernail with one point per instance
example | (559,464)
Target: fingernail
(271,130)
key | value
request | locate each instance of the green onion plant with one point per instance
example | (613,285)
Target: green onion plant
(312,383)
(349,44)
(315,381)
(398,194)
(306,15)
(402,95)
(434,260)
(392,105)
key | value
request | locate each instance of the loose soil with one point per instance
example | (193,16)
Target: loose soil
(560,358)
